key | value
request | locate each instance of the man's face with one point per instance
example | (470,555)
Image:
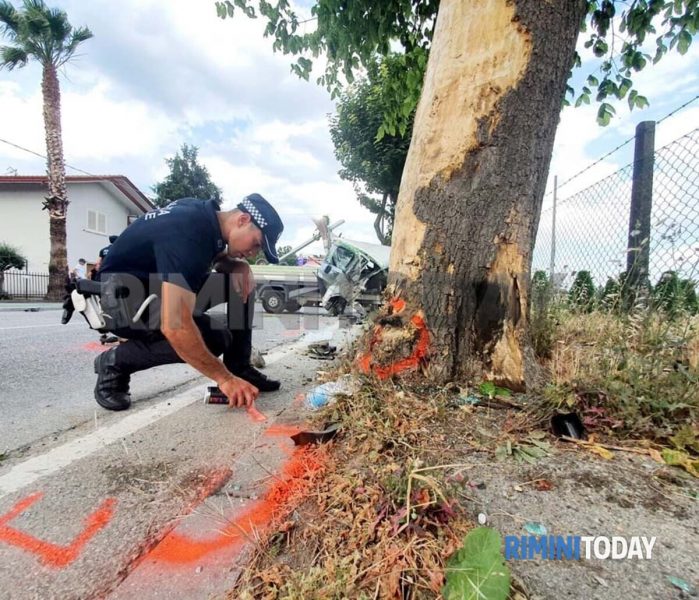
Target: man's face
(245,240)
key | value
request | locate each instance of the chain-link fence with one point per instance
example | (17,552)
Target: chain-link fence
(593,232)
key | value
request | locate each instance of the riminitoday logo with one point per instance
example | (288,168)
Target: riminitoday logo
(576,547)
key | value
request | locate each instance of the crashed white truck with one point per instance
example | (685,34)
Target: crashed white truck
(352,277)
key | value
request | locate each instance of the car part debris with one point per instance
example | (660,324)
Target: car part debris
(322,350)
(304,438)
(569,425)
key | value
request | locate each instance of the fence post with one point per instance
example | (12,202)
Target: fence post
(552,266)
(638,249)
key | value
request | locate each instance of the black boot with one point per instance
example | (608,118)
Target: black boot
(112,388)
(259,380)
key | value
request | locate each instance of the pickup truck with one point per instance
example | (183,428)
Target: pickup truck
(352,273)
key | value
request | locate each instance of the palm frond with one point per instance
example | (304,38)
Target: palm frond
(79,36)
(10,19)
(59,27)
(12,57)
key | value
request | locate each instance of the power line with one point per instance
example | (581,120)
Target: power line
(43,156)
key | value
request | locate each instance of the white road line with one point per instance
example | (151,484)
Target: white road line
(32,469)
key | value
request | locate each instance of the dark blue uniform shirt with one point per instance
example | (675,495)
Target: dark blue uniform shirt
(176,243)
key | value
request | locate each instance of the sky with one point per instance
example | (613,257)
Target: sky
(159,74)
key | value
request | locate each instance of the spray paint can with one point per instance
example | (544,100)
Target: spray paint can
(214,395)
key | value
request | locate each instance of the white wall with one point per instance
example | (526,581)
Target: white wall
(82,243)
(24,225)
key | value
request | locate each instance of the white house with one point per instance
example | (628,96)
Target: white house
(100,206)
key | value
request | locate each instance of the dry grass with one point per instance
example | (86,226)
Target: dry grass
(383,521)
(632,375)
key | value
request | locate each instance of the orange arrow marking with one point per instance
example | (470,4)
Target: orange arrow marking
(53,554)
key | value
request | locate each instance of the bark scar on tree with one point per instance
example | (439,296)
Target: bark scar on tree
(498,313)
(496,64)
(393,350)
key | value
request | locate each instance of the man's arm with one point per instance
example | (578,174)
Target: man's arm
(240,271)
(181,331)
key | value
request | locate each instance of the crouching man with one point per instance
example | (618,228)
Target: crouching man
(170,252)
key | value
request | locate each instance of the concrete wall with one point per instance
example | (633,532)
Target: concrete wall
(82,242)
(24,225)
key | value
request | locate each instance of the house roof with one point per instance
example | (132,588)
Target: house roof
(120,182)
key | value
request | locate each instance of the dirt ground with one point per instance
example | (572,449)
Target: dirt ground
(568,491)
(626,496)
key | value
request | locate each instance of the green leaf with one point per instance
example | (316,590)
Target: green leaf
(582,99)
(677,458)
(477,571)
(632,99)
(684,41)
(487,388)
(641,101)
(605,113)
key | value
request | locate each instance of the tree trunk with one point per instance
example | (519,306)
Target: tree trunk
(56,202)
(472,189)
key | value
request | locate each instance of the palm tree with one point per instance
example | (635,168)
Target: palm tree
(45,35)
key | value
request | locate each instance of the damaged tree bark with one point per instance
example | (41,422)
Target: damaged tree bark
(473,185)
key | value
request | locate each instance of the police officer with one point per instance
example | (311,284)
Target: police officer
(102,255)
(170,252)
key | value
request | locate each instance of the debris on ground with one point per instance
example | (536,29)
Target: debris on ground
(304,438)
(322,350)
(256,359)
(328,392)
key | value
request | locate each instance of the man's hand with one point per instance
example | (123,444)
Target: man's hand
(239,391)
(240,271)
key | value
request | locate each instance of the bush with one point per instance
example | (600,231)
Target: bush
(10,258)
(673,295)
(582,293)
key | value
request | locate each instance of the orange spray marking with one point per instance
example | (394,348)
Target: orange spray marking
(282,430)
(50,554)
(365,362)
(295,477)
(94,347)
(255,414)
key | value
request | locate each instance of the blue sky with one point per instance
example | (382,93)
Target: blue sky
(158,74)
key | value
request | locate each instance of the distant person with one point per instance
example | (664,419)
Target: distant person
(102,254)
(80,270)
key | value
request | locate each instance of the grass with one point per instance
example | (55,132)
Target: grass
(628,374)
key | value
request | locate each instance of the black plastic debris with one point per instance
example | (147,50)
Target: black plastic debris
(304,438)
(569,425)
(322,350)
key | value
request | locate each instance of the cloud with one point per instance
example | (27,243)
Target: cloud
(155,76)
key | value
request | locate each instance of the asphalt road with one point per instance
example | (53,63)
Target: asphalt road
(87,512)
(47,379)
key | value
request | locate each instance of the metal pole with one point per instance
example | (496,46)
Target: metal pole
(553,227)
(638,249)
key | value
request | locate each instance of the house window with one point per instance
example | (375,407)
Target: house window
(96,221)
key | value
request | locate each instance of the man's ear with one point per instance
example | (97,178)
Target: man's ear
(243,219)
